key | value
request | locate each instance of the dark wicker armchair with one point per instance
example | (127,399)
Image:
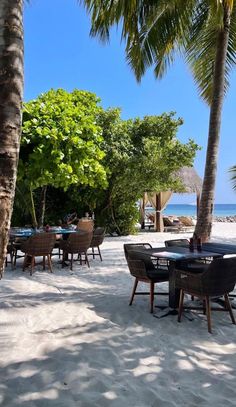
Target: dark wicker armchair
(217,278)
(97,240)
(144,270)
(40,244)
(77,243)
(10,252)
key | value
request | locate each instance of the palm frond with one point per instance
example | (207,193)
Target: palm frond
(232,170)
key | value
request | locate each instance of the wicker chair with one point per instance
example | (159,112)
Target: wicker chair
(40,244)
(10,252)
(97,240)
(143,269)
(217,278)
(85,224)
(77,243)
(177,242)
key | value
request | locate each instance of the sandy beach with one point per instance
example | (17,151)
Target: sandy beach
(69,339)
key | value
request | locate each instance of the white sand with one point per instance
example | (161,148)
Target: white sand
(70,339)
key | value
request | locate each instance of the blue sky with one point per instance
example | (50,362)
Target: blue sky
(59,53)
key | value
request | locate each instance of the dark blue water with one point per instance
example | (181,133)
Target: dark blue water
(190,210)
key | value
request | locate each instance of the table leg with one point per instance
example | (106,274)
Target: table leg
(174,292)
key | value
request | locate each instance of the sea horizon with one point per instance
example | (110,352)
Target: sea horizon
(190,210)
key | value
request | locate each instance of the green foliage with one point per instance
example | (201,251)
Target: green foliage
(156,31)
(93,161)
(61,142)
(140,155)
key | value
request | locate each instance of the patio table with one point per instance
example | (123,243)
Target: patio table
(27,232)
(173,255)
(222,248)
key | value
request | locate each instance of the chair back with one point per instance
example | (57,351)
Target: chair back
(79,242)
(220,277)
(177,242)
(40,244)
(129,247)
(136,265)
(98,237)
(85,224)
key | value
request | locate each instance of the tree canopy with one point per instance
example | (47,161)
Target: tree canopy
(61,143)
(101,162)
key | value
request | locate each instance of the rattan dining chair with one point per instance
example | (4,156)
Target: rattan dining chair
(77,243)
(97,240)
(38,245)
(85,224)
(216,279)
(144,270)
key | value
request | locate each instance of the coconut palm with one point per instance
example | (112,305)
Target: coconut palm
(11,80)
(232,171)
(203,32)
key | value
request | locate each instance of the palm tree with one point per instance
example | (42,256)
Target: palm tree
(204,33)
(11,94)
(232,171)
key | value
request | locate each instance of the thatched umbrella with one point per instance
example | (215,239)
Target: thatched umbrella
(192,183)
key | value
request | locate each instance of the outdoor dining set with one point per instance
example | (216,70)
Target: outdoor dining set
(72,243)
(208,271)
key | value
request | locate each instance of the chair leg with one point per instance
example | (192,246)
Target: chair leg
(208,313)
(71,261)
(204,306)
(93,252)
(152,285)
(44,266)
(181,301)
(86,260)
(229,307)
(99,253)
(49,262)
(32,265)
(24,263)
(133,292)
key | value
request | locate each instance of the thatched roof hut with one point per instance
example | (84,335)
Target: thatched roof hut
(190,179)
(192,184)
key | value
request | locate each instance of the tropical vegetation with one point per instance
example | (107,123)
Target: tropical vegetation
(74,154)
(204,32)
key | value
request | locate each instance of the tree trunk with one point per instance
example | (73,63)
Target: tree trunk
(33,212)
(204,221)
(42,205)
(11,95)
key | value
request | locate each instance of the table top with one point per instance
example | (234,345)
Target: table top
(222,248)
(176,253)
(27,232)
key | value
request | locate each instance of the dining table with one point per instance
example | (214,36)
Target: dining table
(173,256)
(27,232)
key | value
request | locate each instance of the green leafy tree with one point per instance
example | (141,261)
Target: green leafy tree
(203,31)
(60,146)
(141,155)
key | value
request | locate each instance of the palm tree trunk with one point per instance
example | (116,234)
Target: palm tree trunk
(204,221)
(11,95)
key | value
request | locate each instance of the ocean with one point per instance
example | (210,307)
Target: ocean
(190,210)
